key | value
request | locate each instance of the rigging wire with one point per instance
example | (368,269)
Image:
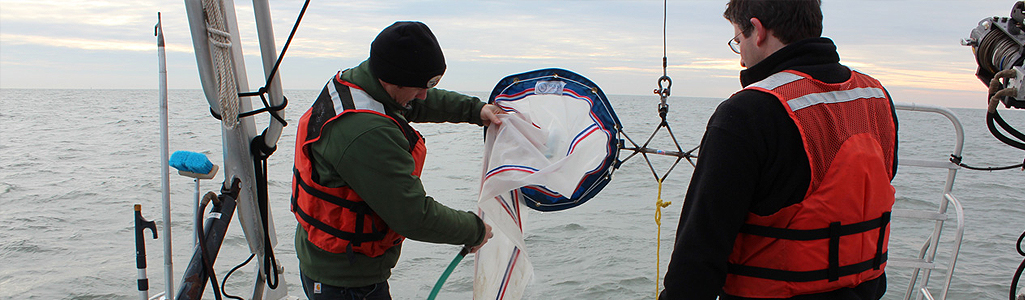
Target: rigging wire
(665,11)
(663,109)
(664,86)
(270,76)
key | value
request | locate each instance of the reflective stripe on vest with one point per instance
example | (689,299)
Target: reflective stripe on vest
(836,236)
(337,220)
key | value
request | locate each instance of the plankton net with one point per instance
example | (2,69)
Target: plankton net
(556,148)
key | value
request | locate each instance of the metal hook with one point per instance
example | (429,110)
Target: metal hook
(664,91)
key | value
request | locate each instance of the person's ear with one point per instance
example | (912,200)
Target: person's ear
(759,33)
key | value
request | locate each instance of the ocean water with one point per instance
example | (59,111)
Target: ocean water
(74,162)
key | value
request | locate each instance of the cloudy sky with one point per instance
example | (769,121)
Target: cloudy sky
(911,46)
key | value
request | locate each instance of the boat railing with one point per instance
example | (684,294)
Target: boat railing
(923,265)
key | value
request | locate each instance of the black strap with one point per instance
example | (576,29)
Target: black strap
(801,276)
(359,229)
(346,203)
(811,234)
(412,136)
(261,153)
(350,254)
(344,95)
(353,238)
(833,271)
(883,221)
(266,108)
(270,77)
(361,209)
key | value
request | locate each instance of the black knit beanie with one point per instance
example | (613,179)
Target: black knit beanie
(407,54)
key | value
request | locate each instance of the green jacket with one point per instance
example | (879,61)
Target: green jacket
(369,153)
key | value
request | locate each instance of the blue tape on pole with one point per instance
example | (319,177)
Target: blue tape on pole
(190,162)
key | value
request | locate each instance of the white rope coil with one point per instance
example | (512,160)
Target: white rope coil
(220,39)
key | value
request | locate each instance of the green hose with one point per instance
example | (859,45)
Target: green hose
(448,271)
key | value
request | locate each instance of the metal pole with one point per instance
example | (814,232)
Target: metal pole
(197,26)
(265,31)
(659,152)
(164,168)
(195,234)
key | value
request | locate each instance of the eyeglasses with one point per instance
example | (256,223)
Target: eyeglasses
(735,43)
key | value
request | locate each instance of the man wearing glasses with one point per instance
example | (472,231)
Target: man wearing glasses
(791,196)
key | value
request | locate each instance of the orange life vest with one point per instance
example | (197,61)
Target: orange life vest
(337,219)
(837,235)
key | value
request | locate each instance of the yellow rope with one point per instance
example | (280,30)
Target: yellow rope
(659,204)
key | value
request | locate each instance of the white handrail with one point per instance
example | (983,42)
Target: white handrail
(925,264)
(959,211)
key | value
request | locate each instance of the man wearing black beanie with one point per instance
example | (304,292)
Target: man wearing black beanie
(356,191)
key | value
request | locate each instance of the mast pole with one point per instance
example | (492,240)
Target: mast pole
(268,51)
(164,168)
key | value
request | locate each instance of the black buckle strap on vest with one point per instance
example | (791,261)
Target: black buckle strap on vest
(800,276)
(833,271)
(359,228)
(883,222)
(322,195)
(360,208)
(811,234)
(353,238)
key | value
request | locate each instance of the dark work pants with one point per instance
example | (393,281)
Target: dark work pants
(319,291)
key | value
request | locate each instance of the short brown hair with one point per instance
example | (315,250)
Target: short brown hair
(790,20)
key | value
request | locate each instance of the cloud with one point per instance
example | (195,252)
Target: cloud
(942,67)
(620,41)
(88,44)
(90,13)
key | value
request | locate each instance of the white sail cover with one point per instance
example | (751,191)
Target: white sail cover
(556,148)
